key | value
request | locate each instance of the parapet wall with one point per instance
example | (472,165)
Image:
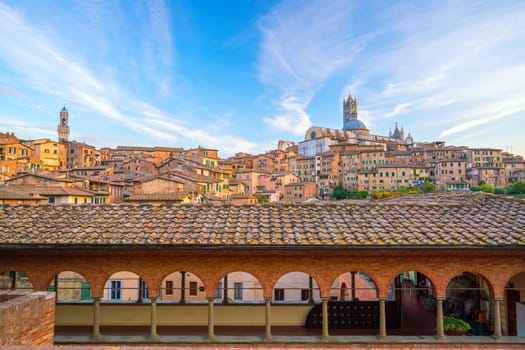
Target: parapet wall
(27,319)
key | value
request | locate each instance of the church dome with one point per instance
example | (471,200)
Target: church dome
(354,124)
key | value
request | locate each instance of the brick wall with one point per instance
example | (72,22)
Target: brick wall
(28,319)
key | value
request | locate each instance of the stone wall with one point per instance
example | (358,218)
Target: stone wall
(27,319)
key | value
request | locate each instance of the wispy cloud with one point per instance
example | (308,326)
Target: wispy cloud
(445,67)
(302,47)
(46,65)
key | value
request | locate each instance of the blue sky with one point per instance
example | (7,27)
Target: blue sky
(241,75)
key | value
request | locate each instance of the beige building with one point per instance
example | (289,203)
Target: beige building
(300,190)
(52,154)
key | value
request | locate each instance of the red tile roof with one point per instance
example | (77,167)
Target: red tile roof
(460,220)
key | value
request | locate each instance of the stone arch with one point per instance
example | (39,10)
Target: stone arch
(70,285)
(435,280)
(297,286)
(469,297)
(182,286)
(238,287)
(358,285)
(514,293)
(125,286)
(411,304)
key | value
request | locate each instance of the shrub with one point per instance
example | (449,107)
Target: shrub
(517,188)
(428,187)
(500,190)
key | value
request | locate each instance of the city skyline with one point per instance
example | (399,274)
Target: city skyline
(238,76)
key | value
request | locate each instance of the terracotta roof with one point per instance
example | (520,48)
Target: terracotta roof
(157,197)
(51,190)
(457,220)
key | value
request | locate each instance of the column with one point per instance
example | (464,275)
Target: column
(211,332)
(382,317)
(497,317)
(96,318)
(141,292)
(182,287)
(154,335)
(13,279)
(310,290)
(268,319)
(439,319)
(325,334)
(225,290)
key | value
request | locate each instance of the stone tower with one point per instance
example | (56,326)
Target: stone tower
(63,126)
(349,109)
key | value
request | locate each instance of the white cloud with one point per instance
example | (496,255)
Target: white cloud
(303,47)
(445,68)
(47,66)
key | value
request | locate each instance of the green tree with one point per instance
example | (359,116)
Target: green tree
(428,187)
(261,199)
(340,192)
(483,187)
(517,188)
(358,194)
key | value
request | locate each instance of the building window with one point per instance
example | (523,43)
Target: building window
(169,287)
(218,291)
(193,288)
(144,289)
(51,200)
(115,290)
(305,294)
(237,291)
(278,294)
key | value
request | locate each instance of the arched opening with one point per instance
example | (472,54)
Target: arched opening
(296,287)
(514,304)
(237,288)
(353,308)
(297,300)
(15,281)
(469,297)
(411,305)
(70,286)
(125,286)
(182,287)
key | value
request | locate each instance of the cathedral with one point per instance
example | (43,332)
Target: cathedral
(318,139)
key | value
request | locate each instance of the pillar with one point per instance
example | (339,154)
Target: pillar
(225,290)
(211,332)
(141,292)
(382,317)
(96,318)
(13,279)
(325,334)
(497,317)
(267,318)
(439,318)
(182,287)
(154,334)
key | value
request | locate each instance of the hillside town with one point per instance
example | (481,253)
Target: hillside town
(45,171)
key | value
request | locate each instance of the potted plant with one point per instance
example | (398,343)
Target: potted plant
(455,326)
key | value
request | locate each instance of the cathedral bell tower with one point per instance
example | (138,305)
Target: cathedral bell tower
(63,126)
